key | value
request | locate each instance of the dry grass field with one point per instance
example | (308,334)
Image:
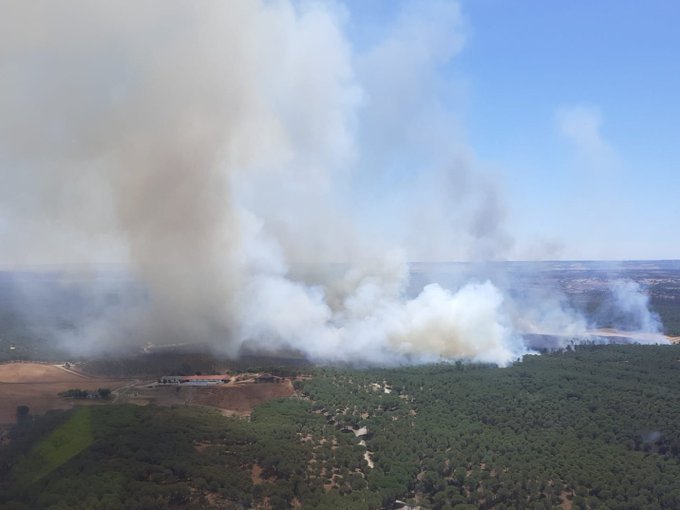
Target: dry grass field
(231,399)
(38,385)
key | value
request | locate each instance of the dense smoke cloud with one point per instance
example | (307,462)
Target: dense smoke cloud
(217,147)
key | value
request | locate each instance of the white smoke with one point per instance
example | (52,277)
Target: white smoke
(216,146)
(628,310)
(549,312)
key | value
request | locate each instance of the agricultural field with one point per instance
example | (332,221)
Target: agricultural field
(37,385)
(42,386)
(231,399)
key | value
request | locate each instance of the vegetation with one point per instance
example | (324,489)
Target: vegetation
(56,449)
(594,427)
(23,414)
(669,312)
(597,426)
(100,394)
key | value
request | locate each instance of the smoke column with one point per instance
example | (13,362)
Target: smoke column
(216,146)
(627,310)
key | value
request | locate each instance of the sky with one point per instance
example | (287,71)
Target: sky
(512,130)
(577,102)
(574,106)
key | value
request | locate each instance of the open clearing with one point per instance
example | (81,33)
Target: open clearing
(38,373)
(231,399)
(38,385)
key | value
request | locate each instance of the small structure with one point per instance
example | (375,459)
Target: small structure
(266,378)
(204,380)
(171,379)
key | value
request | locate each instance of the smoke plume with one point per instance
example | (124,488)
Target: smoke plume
(627,310)
(246,163)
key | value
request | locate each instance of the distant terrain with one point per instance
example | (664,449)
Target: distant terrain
(38,309)
(583,283)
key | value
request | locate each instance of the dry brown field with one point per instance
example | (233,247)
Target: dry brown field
(231,399)
(38,385)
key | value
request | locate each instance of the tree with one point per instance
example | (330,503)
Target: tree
(23,415)
(104,393)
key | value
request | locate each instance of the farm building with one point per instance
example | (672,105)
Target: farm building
(195,380)
(204,380)
(171,379)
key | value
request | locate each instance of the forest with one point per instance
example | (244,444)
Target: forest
(589,427)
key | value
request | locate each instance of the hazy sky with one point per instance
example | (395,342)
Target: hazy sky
(470,129)
(575,106)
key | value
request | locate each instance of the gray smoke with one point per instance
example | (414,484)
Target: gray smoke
(627,309)
(214,147)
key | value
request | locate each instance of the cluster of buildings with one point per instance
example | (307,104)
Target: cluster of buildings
(195,380)
(210,380)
